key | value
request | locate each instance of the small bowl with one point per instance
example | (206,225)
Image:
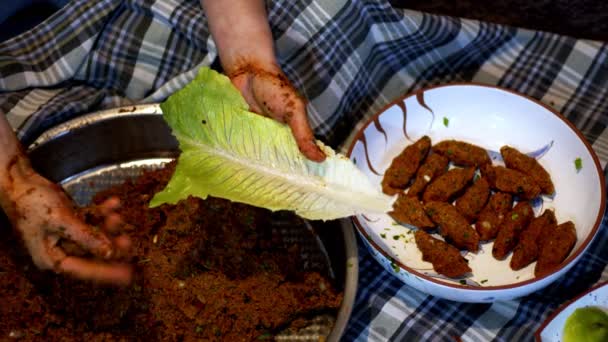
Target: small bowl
(552,328)
(489,117)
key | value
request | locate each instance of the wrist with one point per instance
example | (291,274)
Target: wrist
(241,32)
(17,172)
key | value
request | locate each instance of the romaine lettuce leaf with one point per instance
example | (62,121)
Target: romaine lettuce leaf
(231,153)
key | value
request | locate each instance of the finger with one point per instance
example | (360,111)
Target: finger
(53,252)
(305,139)
(93,240)
(122,244)
(280,101)
(108,273)
(112,223)
(108,206)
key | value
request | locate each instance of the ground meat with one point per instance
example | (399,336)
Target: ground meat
(491,216)
(528,165)
(474,199)
(446,259)
(403,167)
(462,153)
(513,224)
(448,185)
(554,248)
(511,181)
(453,226)
(434,166)
(527,248)
(205,270)
(409,210)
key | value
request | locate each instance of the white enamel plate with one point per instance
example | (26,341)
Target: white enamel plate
(488,117)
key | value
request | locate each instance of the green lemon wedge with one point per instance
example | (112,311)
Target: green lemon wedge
(588,324)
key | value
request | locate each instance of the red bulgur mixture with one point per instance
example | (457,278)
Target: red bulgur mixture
(205,270)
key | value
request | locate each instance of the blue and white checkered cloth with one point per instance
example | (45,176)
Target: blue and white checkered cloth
(349,58)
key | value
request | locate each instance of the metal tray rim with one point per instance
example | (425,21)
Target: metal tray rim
(346,225)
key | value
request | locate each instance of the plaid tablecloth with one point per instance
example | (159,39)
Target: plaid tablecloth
(349,58)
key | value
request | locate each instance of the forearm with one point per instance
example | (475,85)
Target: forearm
(13,163)
(9,145)
(241,32)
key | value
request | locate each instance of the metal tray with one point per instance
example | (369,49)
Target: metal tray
(102,149)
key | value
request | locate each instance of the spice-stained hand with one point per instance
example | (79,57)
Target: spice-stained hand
(44,216)
(271,94)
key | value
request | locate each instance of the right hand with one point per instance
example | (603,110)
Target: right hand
(245,45)
(44,216)
(268,92)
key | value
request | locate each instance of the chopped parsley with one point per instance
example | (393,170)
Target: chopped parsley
(578,164)
(446,121)
(265,336)
(463,282)
(396,237)
(395,267)
(483,281)
(514,216)
(383,235)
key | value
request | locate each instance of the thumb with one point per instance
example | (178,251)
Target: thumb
(289,108)
(302,132)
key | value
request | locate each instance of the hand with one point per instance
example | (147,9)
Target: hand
(44,216)
(245,45)
(268,92)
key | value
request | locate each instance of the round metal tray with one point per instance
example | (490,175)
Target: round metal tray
(102,149)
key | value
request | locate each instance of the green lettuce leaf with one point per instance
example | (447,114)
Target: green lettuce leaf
(231,153)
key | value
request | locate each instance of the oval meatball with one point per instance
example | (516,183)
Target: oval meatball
(446,259)
(462,153)
(530,166)
(403,167)
(446,186)
(512,225)
(453,226)
(474,199)
(527,248)
(491,216)
(511,181)
(434,166)
(554,248)
(409,210)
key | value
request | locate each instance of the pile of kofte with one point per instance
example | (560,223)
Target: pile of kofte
(454,189)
